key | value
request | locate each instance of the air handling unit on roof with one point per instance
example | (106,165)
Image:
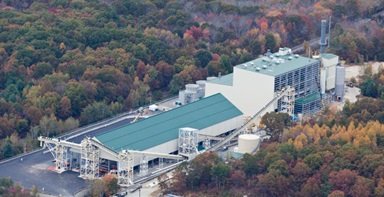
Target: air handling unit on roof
(192,92)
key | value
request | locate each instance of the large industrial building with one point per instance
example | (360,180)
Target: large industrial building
(148,141)
(212,111)
(211,116)
(254,83)
(332,76)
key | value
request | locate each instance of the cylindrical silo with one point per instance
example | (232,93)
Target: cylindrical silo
(201,83)
(248,143)
(340,77)
(191,87)
(211,78)
(201,90)
(323,78)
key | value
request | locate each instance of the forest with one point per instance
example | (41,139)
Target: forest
(334,154)
(68,63)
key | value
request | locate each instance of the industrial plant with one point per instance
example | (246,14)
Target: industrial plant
(207,116)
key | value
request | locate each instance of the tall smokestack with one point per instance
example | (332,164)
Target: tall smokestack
(323,39)
(329,31)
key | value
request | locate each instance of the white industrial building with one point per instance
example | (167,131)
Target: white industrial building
(328,71)
(332,76)
(215,110)
(253,84)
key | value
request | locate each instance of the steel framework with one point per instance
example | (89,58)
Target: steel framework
(91,153)
(143,166)
(288,101)
(90,160)
(207,143)
(125,168)
(187,141)
(62,157)
(61,152)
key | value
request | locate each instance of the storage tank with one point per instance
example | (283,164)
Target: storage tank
(331,77)
(340,78)
(201,83)
(201,89)
(248,143)
(191,87)
(211,78)
(323,77)
(182,97)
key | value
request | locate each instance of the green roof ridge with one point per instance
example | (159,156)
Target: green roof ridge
(164,127)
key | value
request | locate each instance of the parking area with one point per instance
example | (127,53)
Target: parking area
(35,169)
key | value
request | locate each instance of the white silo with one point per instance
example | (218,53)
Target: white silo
(191,87)
(201,83)
(340,77)
(248,143)
(323,78)
(201,89)
(211,78)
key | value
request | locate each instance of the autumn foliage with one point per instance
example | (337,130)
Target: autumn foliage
(343,157)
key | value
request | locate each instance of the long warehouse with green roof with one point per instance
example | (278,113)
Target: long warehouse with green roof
(212,116)
(281,81)
(169,136)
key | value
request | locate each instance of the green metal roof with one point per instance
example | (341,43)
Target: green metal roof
(276,64)
(224,80)
(328,55)
(164,127)
(309,98)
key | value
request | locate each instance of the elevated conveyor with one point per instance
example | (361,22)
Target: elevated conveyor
(287,91)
